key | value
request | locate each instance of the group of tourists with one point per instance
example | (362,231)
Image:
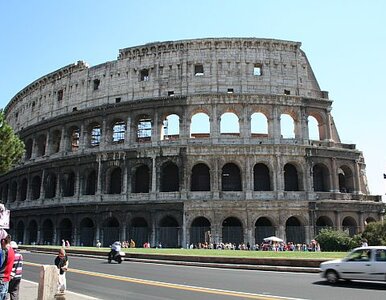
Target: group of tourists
(11,266)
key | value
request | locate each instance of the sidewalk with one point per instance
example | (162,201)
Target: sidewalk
(29,291)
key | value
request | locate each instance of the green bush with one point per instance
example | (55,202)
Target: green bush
(335,240)
(375,233)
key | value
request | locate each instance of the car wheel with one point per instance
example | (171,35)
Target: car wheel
(332,276)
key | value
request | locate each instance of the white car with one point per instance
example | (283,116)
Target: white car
(364,263)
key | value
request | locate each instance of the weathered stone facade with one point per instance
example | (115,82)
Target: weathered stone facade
(176,139)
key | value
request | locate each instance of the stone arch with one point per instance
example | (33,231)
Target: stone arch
(110,231)
(68,184)
(321,176)
(317,127)
(141,180)
(323,222)
(41,145)
(95,134)
(261,178)
(287,126)
(23,189)
(170,128)
(259,125)
(369,220)
(20,232)
(294,230)
(55,140)
(35,187)
(33,232)
(65,230)
(232,231)
(200,125)
(169,177)
(90,183)
(86,232)
(74,134)
(313,128)
(139,231)
(144,126)
(50,186)
(118,130)
(231,178)
(200,231)
(346,179)
(200,178)
(14,188)
(291,178)
(229,124)
(114,180)
(28,148)
(48,232)
(350,225)
(263,228)
(169,232)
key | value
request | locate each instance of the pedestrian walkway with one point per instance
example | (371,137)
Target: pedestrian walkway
(29,291)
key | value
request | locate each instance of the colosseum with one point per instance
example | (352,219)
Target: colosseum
(181,142)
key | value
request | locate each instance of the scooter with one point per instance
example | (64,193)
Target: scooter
(118,256)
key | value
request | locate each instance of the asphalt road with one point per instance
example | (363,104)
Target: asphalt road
(133,280)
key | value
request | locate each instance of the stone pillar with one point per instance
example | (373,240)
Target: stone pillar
(154,175)
(99,176)
(334,179)
(276,130)
(42,190)
(47,148)
(328,125)
(356,179)
(338,223)
(97,232)
(48,282)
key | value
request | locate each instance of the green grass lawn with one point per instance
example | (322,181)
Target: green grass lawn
(222,253)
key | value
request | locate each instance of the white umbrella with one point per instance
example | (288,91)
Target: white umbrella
(273,239)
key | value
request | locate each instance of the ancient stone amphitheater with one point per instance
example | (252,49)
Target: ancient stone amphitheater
(216,140)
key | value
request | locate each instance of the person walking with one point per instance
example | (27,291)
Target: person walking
(16,272)
(7,259)
(61,262)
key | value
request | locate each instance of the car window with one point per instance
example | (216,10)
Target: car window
(360,255)
(380,255)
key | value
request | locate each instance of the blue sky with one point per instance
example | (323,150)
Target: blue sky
(345,42)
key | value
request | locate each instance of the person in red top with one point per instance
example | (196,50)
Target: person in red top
(7,260)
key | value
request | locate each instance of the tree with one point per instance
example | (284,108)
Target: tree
(11,147)
(375,233)
(336,240)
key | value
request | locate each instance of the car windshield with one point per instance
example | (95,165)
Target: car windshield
(359,255)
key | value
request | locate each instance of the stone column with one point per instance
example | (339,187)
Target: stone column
(356,179)
(99,176)
(334,179)
(338,224)
(47,148)
(154,175)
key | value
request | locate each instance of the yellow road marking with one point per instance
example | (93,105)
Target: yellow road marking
(173,285)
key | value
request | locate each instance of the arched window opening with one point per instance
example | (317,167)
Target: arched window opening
(168,233)
(28,149)
(91,183)
(346,180)
(263,229)
(200,232)
(232,231)
(200,178)
(20,232)
(115,183)
(171,127)
(24,189)
(110,231)
(229,124)
(231,178)
(200,126)
(95,135)
(55,141)
(48,232)
(4,194)
(141,180)
(41,145)
(139,231)
(291,181)
(86,232)
(287,126)
(119,129)
(69,184)
(36,183)
(369,220)
(33,232)
(144,128)
(13,191)
(50,186)
(261,178)
(259,125)
(313,129)
(350,226)
(294,230)
(323,222)
(170,181)
(65,230)
(320,178)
